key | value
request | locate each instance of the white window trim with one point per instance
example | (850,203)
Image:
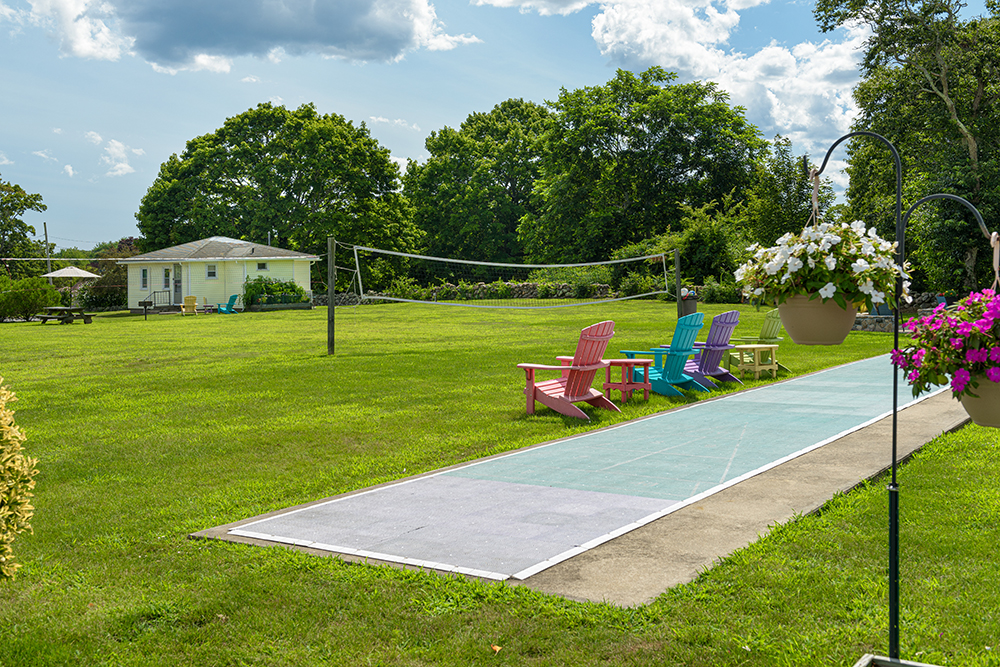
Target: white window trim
(144,278)
(215,270)
(259,264)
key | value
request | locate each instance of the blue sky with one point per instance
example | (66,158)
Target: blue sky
(95,95)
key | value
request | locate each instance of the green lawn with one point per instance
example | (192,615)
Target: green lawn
(148,430)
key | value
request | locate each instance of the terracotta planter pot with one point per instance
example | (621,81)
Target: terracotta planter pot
(984,410)
(812,322)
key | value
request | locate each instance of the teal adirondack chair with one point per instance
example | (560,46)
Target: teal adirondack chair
(667,372)
(768,336)
(229,307)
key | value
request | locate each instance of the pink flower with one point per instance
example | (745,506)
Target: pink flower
(956,343)
(993,374)
(915,375)
(995,354)
(959,380)
(976,355)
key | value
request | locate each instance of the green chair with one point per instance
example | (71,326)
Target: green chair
(667,371)
(229,307)
(768,336)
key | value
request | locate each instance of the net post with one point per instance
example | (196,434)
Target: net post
(331,277)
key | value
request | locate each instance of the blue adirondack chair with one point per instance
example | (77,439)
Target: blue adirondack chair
(706,365)
(667,371)
(229,307)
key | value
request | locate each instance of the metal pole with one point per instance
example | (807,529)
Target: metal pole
(331,277)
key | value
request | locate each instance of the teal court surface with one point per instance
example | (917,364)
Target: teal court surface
(514,515)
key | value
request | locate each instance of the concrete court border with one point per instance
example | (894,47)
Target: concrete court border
(634,568)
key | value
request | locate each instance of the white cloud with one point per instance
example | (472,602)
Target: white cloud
(116,155)
(276,100)
(93,137)
(56,130)
(250,79)
(802,92)
(87,29)
(45,155)
(399,122)
(4,159)
(68,170)
(193,36)
(544,7)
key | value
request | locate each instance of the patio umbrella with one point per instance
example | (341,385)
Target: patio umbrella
(70,272)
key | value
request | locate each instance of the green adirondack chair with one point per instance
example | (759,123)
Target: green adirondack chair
(667,372)
(768,336)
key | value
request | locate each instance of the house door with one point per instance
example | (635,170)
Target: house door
(178,292)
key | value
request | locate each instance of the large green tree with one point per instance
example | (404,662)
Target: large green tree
(15,234)
(469,196)
(622,159)
(295,177)
(931,85)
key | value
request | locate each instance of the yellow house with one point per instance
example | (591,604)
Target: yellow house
(211,269)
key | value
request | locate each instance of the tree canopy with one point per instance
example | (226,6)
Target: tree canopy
(931,87)
(294,177)
(621,160)
(15,234)
(470,195)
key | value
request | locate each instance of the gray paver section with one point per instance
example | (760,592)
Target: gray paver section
(518,514)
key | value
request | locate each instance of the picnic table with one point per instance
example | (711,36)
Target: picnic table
(65,314)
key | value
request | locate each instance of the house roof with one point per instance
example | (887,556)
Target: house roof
(219,248)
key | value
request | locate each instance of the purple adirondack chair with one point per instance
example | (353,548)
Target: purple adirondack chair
(706,365)
(577,376)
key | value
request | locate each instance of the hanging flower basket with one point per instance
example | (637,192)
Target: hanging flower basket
(958,345)
(809,320)
(816,278)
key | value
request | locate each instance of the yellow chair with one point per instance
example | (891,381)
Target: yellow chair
(190,305)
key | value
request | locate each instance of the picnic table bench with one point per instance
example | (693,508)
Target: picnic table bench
(65,315)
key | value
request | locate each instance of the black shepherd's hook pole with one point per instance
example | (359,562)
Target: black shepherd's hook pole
(893,487)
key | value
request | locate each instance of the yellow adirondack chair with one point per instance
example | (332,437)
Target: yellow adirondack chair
(190,305)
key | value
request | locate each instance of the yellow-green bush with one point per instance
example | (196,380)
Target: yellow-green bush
(16,483)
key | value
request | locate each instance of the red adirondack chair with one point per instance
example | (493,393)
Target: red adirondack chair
(577,376)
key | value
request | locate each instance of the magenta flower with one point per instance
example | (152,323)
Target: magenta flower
(959,380)
(993,373)
(976,356)
(956,343)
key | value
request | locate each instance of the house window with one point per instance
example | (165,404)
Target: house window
(145,279)
(262,266)
(210,271)
(166,278)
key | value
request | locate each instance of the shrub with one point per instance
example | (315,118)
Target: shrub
(271,290)
(16,483)
(25,298)
(716,292)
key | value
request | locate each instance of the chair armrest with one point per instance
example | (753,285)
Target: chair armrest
(545,367)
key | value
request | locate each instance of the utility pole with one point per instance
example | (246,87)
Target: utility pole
(48,262)
(331,277)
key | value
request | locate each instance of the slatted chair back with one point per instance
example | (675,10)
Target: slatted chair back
(772,326)
(682,347)
(718,343)
(589,351)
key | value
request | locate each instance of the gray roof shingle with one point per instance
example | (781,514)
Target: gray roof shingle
(217,247)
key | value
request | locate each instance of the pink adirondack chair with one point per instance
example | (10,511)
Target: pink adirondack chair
(574,386)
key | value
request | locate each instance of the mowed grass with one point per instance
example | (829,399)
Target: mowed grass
(148,430)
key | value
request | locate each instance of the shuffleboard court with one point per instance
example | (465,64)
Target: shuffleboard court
(514,515)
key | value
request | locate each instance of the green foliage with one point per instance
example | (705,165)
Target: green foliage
(726,291)
(15,235)
(475,187)
(25,298)
(297,175)
(110,291)
(712,241)
(780,200)
(17,471)
(620,159)
(264,290)
(929,87)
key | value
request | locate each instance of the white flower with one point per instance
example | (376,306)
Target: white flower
(758,291)
(859,266)
(740,272)
(878,297)
(831,262)
(812,263)
(828,290)
(773,267)
(867,248)
(867,288)
(794,264)
(858,227)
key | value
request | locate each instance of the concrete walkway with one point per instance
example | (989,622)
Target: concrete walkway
(623,513)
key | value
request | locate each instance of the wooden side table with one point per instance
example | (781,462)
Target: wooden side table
(628,383)
(756,359)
